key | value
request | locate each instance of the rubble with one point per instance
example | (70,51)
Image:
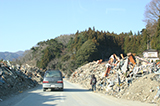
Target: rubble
(16,79)
(131,78)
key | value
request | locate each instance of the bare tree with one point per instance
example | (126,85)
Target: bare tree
(152,14)
(152,11)
(64,39)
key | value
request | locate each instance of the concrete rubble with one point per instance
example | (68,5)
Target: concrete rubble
(130,77)
(16,79)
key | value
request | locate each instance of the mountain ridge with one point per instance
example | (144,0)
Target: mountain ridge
(10,55)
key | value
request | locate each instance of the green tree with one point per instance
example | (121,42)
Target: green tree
(126,44)
(144,40)
(156,38)
(133,46)
(46,58)
(138,44)
(87,53)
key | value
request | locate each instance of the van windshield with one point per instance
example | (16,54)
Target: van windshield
(53,74)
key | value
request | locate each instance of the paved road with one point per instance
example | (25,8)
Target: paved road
(73,95)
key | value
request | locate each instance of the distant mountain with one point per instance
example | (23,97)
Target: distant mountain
(10,55)
(20,53)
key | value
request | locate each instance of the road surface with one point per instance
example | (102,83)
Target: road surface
(73,95)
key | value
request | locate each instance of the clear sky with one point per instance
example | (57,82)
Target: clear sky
(24,23)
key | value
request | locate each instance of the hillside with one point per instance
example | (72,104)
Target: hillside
(68,52)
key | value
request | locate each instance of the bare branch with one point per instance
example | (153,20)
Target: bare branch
(152,14)
(152,11)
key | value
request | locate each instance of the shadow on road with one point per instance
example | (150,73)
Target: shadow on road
(68,90)
(75,90)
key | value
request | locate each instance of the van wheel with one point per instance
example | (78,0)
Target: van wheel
(44,89)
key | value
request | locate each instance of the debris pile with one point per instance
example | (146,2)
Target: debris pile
(16,79)
(130,77)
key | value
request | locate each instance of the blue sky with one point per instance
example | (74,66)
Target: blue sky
(24,23)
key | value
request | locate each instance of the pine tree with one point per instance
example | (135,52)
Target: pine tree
(87,53)
(126,44)
(156,39)
(144,40)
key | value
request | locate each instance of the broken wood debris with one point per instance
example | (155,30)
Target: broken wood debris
(130,77)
